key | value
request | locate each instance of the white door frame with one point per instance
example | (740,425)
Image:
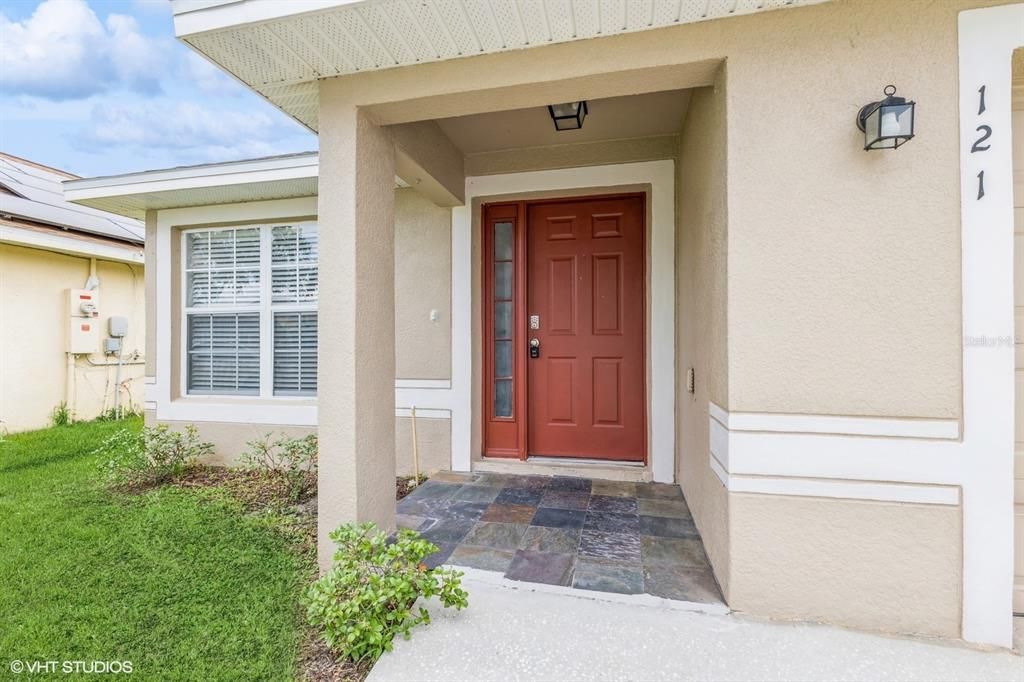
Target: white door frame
(660,176)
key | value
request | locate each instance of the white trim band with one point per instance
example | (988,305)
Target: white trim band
(851,426)
(777,454)
(69,245)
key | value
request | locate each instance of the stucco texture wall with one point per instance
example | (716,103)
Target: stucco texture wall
(423,261)
(34,333)
(701,243)
(882,566)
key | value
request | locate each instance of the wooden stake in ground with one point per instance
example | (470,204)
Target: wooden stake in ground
(415,451)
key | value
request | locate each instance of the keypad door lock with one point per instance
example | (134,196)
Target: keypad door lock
(534,348)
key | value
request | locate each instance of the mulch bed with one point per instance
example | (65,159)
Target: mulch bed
(404,485)
(257,492)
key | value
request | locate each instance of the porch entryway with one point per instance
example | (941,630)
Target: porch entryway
(608,536)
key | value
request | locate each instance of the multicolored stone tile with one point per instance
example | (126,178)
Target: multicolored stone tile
(665,491)
(612,523)
(616,546)
(570,483)
(447,531)
(435,489)
(496,480)
(530,496)
(444,550)
(544,539)
(549,568)
(476,493)
(458,509)
(684,584)
(454,477)
(565,499)
(558,518)
(495,535)
(662,507)
(428,506)
(614,488)
(509,513)
(528,482)
(608,577)
(612,503)
(484,558)
(688,552)
(662,527)
(410,522)
(609,536)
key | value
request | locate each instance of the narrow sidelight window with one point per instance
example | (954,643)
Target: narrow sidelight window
(502,313)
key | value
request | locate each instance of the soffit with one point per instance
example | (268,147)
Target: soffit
(282,49)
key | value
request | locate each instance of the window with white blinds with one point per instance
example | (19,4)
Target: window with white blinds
(250,299)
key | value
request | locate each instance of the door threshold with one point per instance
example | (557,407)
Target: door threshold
(542,459)
(634,472)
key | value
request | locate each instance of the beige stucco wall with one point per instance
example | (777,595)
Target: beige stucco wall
(701,245)
(844,297)
(434,438)
(34,333)
(881,566)
(230,440)
(573,155)
(423,261)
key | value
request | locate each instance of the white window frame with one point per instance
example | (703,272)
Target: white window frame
(266,309)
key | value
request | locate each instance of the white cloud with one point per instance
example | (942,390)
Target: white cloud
(192,132)
(63,51)
(206,77)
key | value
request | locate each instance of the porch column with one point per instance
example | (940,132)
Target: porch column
(356,405)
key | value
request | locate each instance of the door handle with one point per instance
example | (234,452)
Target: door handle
(534,348)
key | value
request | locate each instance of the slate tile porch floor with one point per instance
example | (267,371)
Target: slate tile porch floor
(608,536)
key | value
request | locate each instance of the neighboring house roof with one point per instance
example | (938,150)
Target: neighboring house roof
(31,194)
(34,214)
(132,194)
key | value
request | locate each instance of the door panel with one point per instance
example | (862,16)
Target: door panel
(585,282)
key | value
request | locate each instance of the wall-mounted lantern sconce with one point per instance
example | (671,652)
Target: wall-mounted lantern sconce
(886,124)
(568,116)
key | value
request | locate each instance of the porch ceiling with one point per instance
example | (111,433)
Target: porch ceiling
(612,118)
(281,49)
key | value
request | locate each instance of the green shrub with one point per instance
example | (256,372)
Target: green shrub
(367,596)
(152,455)
(293,459)
(61,415)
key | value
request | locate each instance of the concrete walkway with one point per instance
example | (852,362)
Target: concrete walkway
(523,631)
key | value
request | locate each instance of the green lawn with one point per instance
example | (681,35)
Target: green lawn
(179,584)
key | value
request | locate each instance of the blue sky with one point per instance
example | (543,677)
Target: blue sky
(97,87)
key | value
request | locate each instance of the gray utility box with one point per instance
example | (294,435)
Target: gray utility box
(112,346)
(118,327)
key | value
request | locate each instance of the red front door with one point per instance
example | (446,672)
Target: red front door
(585,309)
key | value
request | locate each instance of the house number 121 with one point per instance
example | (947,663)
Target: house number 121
(981,144)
